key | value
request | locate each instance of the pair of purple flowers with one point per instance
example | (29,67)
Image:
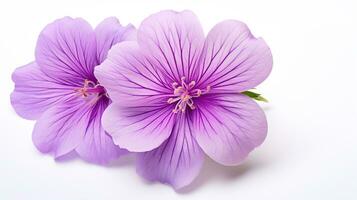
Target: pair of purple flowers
(164,91)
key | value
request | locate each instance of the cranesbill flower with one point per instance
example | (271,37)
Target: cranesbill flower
(177,95)
(60,91)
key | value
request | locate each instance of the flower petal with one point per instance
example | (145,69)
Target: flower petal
(66,50)
(228,127)
(177,161)
(61,128)
(175,41)
(35,91)
(130,79)
(109,32)
(140,128)
(234,61)
(97,146)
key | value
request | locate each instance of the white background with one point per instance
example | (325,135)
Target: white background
(311,148)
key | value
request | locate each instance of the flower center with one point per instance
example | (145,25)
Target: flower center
(184,94)
(91,90)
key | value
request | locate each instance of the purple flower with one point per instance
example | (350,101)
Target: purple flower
(177,95)
(60,91)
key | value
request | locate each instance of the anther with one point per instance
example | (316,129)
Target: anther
(90,88)
(192,84)
(178,90)
(183,95)
(174,85)
(208,88)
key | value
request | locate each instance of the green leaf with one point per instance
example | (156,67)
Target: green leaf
(255,96)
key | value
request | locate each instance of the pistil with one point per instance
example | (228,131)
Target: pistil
(89,89)
(183,95)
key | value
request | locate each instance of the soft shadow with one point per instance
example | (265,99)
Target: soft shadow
(212,172)
(125,160)
(67,157)
(266,106)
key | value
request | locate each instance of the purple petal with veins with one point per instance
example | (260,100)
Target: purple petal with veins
(60,91)
(176,94)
